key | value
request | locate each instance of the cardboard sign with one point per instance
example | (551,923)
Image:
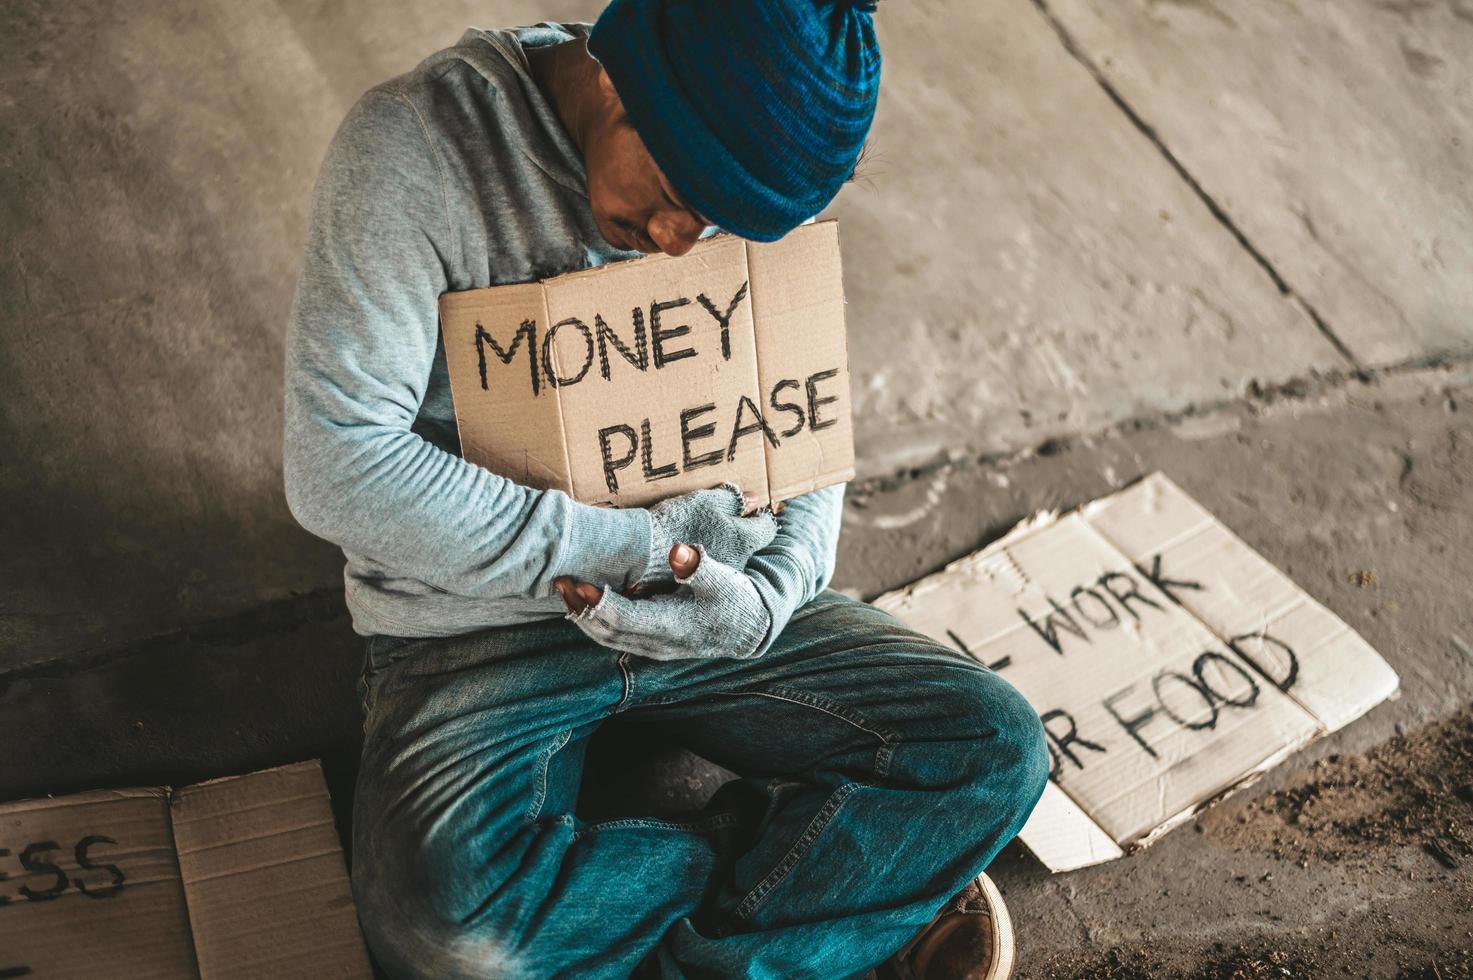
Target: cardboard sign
(639,380)
(1169,662)
(237,877)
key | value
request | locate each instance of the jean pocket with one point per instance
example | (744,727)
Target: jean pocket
(375,659)
(365,679)
(379,654)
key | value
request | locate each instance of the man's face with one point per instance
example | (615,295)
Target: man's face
(634,205)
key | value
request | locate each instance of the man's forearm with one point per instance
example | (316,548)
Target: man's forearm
(799,563)
(360,346)
(430,515)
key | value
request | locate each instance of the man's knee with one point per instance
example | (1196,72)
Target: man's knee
(413,935)
(1024,744)
(1007,757)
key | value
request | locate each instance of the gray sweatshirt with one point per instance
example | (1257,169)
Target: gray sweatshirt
(457,175)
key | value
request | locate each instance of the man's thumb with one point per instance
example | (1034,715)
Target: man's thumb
(684,560)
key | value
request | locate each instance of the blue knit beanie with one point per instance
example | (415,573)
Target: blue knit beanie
(756,110)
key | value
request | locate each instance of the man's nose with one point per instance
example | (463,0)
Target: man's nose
(674,233)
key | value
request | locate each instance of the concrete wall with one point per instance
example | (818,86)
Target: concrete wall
(156,160)
(1023,260)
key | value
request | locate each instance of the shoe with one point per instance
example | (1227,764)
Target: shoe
(971,939)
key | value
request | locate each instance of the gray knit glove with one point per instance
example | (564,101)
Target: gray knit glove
(716,612)
(709,518)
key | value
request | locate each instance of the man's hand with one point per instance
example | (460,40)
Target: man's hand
(715,612)
(721,521)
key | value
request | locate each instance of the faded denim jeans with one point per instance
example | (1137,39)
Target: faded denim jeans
(879,772)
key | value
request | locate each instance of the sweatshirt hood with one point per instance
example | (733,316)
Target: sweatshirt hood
(499,56)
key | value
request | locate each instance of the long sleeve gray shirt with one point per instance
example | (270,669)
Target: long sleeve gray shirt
(457,175)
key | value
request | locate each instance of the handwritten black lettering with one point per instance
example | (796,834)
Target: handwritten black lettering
(1209,721)
(1213,697)
(815,402)
(995,666)
(30,860)
(738,430)
(724,318)
(549,351)
(647,450)
(1060,742)
(796,409)
(1163,584)
(620,445)
(639,357)
(1125,593)
(1261,660)
(526,332)
(1052,623)
(659,334)
(84,861)
(605,447)
(1112,619)
(699,432)
(1134,723)
(1210,657)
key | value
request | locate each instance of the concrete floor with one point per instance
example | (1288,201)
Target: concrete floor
(1223,239)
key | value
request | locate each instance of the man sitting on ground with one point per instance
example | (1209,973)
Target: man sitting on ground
(878,771)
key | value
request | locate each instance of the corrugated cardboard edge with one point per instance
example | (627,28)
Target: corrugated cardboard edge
(85,798)
(1379,681)
(766,491)
(1063,836)
(1242,782)
(777,494)
(452,302)
(137,926)
(845,474)
(349,936)
(339,926)
(1066,837)
(802,487)
(896,598)
(557,396)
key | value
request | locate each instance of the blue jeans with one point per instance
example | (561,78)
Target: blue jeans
(879,772)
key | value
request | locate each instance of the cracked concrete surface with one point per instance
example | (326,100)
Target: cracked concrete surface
(1336,134)
(1223,239)
(1096,284)
(1358,492)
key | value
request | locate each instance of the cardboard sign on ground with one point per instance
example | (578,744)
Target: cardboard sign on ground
(639,380)
(233,878)
(1169,662)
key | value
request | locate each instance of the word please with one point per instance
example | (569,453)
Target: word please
(618,445)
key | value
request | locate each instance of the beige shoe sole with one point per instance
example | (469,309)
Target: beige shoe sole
(1002,931)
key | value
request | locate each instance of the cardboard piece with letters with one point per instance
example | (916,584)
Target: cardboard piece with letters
(232,878)
(1170,663)
(639,380)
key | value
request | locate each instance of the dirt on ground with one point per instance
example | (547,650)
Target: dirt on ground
(1415,792)
(1143,964)
(1412,790)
